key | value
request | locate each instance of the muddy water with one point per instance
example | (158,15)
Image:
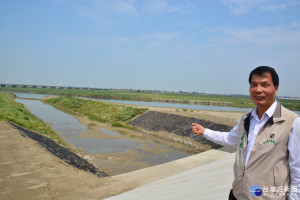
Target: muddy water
(113,150)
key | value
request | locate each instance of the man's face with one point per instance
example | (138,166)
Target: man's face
(262,90)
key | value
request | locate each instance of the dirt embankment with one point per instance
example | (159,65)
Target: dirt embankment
(60,151)
(28,171)
(177,124)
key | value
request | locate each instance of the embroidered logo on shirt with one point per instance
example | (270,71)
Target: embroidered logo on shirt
(272,135)
(265,142)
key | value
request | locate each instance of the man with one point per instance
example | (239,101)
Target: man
(267,164)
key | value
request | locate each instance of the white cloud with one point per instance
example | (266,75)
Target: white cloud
(263,36)
(288,4)
(242,6)
(274,8)
(157,7)
(239,7)
(164,36)
(102,10)
(189,24)
(291,55)
(152,45)
(295,24)
(125,7)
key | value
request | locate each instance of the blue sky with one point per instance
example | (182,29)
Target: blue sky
(189,45)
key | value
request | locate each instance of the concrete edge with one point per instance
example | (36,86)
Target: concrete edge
(154,173)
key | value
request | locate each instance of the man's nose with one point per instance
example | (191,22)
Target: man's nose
(258,89)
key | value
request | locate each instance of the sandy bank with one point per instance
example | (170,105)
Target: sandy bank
(28,171)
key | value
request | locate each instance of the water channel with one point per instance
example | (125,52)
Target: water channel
(158,104)
(115,151)
(177,105)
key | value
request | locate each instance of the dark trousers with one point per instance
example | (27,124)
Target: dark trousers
(231,197)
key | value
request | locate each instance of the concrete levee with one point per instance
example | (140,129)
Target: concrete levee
(207,175)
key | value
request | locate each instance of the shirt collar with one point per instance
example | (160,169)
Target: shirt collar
(269,112)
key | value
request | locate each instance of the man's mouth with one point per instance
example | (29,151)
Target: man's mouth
(259,97)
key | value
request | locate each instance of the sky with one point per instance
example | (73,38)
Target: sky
(207,46)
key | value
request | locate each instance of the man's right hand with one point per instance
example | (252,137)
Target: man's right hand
(198,129)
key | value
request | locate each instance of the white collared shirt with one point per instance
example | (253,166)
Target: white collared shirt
(255,126)
(232,138)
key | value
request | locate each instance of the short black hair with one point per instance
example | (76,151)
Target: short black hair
(262,70)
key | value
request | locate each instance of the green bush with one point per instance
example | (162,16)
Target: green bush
(126,114)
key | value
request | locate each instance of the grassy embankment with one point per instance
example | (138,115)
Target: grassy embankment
(17,113)
(205,99)
(116,115)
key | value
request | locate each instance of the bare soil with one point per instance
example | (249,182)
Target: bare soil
(28,171)
(229,118)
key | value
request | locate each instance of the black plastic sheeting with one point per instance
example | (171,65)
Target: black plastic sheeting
(180,125)
(61,152)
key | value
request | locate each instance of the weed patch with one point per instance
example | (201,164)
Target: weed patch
(17,113)
(117,115)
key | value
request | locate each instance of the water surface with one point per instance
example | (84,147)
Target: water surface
(175,105)
(73,132)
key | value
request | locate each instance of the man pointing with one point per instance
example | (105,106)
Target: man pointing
(267,164)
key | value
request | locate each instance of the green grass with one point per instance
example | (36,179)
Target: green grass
(117,115)
(90,125)
(17,113)
(290,104)
(205,99)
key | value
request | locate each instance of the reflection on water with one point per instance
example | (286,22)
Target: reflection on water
(35,96)
(110,132)
(105,145)
(175,105)
(72,131)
